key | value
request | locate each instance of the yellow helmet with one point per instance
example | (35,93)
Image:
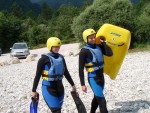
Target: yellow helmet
(86,33)
(53,41)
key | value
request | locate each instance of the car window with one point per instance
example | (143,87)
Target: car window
(19,46)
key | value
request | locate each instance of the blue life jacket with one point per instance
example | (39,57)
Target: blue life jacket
(56,71)
(97,61)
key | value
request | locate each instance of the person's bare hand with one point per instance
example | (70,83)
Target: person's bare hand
(102,39)
(35,96)
(84,88)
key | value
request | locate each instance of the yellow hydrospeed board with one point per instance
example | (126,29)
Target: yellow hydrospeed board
(118,39)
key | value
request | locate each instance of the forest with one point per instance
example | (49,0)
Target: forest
(68,21)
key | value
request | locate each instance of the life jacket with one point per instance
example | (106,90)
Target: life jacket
(97,61)
(56,71)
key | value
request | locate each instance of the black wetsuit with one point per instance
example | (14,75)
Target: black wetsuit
(51,90)
(96,82)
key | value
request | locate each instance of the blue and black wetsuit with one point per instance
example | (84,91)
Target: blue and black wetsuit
(52,67)
(91,57)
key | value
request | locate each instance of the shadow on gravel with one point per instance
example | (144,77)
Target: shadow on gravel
(22,58)
(131,106)
(34,55)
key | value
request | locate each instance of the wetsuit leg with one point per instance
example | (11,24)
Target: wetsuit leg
(56,110)
(53,97)
(94,105)
(98,92)
(102,104)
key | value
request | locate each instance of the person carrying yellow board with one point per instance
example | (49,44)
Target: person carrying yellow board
(104,52)
(91,57)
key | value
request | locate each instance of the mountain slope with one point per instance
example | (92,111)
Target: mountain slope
(35,5)
(56,3)
(24,4)
(135,1)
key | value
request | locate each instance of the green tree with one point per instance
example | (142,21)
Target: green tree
(30,14)
(16,10)
(10,30)
(26,25)
(46,11)
(116,12)
(45,14)
(2,19)
(86,3)
(142,34)
(37,34)
(60,25)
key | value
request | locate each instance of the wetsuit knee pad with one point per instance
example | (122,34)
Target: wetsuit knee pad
(99,81)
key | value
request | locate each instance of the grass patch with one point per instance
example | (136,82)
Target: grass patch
(140,48)
(38,46)
(71,40)
(67,41)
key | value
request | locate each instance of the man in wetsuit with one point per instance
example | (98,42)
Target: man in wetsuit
(52,67)
(91,57)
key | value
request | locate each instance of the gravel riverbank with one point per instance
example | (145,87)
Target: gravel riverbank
(129,93)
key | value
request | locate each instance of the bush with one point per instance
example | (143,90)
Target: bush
(142,28)
(117,12)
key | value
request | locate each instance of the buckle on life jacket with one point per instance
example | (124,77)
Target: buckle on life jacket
(95,65)
(58,77)
(54,77)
